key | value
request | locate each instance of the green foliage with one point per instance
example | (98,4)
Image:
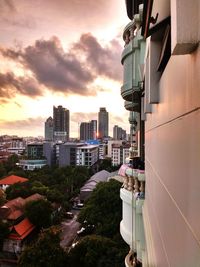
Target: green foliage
(106,164)
(103,208)
(54,195)
(2,170)
(4,231)
(39,212)
(19,190)
(10,164)
(95,251)
(45,252)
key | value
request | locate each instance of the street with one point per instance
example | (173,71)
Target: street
(69,228)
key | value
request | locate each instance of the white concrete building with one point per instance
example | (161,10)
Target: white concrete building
(87,155)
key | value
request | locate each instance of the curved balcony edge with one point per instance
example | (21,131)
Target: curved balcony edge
(126,235)
(132,106)
(130,92)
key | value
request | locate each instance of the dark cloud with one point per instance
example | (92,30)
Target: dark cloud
(8,4)
(10,85)
(69,72)
(105,61)
(51,66)
(57,69)
(26,123)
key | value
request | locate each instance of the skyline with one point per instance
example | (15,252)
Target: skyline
(51,55)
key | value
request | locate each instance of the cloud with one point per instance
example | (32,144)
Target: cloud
(56,69)
(8,5)
(52,67)
(71,72)
(10,85)
(105,61)
(84,117)
(23,124)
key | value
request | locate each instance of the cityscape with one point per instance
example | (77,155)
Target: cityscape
(99,133)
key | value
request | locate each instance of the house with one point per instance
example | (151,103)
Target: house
(13,210)
(18,235)
(10,180)
(90,185)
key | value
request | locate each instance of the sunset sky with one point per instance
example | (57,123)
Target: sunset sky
(63,52)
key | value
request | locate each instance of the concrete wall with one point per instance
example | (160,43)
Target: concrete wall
(172,148)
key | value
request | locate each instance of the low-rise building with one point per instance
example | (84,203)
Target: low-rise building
(32,164)
(10,180)
(119,154)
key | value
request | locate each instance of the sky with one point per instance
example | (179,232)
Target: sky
(63,52)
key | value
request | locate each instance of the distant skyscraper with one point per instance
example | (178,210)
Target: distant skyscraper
(93,129)
(119,133)
(102,123)
(84,130)
(48,134)
(88,130)
(61,123)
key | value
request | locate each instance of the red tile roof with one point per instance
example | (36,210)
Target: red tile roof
(33,197)
(22,230)
(13,209)
(12,179)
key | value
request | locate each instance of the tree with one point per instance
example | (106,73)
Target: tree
(2,170)
(46,251)
(54,195)
(19,190)
(4,231)
(103,208)
(95,251)
(10,164)
(39,212)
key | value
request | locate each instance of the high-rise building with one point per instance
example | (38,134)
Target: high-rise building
(161,62)
(103,122)
(88,130)
(93,129)
(48,134)
(119,133)
(61,126)
(84,131)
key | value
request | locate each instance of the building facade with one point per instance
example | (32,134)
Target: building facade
(119,133)
(35,151)
(103,123)
(61,123)
(161,61)
(119,154)
(88,130)
(48,129)
(87,155)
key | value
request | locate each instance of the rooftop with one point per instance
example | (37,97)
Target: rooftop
(12,179)
(21,230)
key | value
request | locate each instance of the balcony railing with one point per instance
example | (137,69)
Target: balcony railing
(133,61)
(133,197)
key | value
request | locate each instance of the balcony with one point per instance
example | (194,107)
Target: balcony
(132,117)
(131,226)
(133,61)
(132,106)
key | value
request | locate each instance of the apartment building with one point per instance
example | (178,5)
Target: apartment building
(161,61)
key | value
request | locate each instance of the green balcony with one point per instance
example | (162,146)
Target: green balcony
(132,117)
(132,106)
(133,61)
